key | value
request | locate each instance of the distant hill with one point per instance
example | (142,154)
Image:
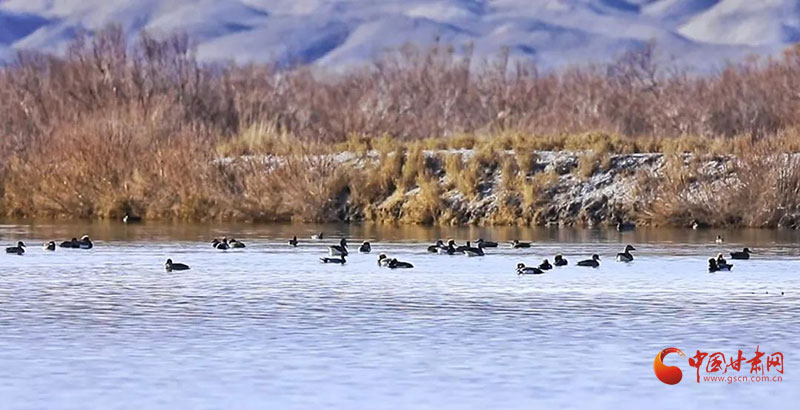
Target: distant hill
(699,34)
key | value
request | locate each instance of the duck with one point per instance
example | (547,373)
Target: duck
(220,244)
(293,242)
(236,244)
(714,266)
(559,260)
(130,219)
(721,260)
(338,250)
(85,242)
(744,254)
(696,225)
(528,270)
(625,226)
(340,260)
(17,250)
(592,263)
(396,264)
(516,244)
(473,251)
(170,266)
(626,256)
(545,265)
(365,247)
(383,260)
(318,237)
(462,248)
(719,239)
(49,246)
(450,249)
(485,244)
(436,247)
(73,244)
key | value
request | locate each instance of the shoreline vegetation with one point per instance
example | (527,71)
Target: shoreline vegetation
(417,137)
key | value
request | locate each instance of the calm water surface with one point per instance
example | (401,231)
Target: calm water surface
(270,327)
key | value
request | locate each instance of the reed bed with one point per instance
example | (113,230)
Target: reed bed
(112,127)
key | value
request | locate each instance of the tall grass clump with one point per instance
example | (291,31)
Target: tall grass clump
(427,205)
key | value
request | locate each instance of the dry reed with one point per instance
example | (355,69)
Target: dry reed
(111,127)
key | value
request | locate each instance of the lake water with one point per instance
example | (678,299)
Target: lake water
(271,327)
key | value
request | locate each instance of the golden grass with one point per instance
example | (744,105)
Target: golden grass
(426,206)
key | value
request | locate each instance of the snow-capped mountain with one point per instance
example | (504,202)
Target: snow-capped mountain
(700,34)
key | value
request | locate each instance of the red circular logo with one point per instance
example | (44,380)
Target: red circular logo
(667,374)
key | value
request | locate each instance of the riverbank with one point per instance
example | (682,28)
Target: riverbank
(418,137)
(479,186)
(555,188)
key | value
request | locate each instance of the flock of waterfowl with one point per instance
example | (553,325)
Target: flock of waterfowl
(74,243)
(338,253)
(720,264)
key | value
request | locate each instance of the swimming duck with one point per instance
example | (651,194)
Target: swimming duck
(545,265)
(220,244)
(130,219)
(450,249)
(340,260)
(592,263)
(516,244)
(70,244)
(396,264)
(559,260)
(18,250)
(625,226)
(721,260)
(85,242)
(365,247)
(236,244)
(49,246)
(462,248)
(714,266)
(744,254)
(528,270)
(340,249)
(383,260)
(719,239)
(473,251)
(175,266)
(696,225)
(626,255)
(485,244)
(318,237)
(435,248)
(293,241)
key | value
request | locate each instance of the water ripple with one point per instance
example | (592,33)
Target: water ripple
(109,328)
